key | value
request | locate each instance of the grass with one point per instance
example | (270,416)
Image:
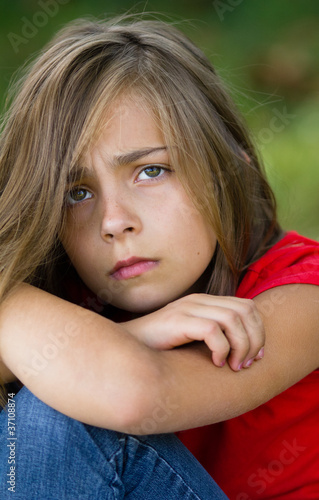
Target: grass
(291,160)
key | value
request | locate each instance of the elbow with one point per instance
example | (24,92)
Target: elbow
(143,418)
(144,408)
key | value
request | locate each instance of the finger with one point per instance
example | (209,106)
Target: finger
(255,330)
(237,336)
(250,319)
(231,325)
(238,318)
(246,309)
(210,332)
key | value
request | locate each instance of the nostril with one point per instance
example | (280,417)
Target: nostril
(109,236)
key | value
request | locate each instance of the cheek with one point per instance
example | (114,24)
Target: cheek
(190,223)
(201,248)
(191,240)
(201,237)
(75,241)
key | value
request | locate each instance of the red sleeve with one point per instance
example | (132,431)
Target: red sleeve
(294,259)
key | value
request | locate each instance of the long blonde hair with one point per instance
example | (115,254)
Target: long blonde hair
(58,108)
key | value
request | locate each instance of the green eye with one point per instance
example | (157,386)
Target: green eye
(78,194)
(152,171)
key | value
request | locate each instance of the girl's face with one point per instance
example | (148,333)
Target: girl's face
(132,233)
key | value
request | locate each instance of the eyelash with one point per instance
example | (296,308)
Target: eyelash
(163,168)
(70,201)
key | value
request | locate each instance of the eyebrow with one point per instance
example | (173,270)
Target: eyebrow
(133,156)
(118,161)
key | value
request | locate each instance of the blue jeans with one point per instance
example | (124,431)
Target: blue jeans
(57,458)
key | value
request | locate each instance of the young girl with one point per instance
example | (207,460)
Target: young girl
(130,187)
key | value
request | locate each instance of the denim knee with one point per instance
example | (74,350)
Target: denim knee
(56,457)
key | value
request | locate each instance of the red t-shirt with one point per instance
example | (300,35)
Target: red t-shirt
(271,452)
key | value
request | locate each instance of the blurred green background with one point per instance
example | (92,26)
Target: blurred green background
(266,51)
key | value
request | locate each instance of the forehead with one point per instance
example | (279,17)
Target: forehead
(126,132)
(126,126)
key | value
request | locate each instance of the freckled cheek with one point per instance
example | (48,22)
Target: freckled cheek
(75,238)
(83,258)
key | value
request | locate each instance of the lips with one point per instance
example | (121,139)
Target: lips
(132,267)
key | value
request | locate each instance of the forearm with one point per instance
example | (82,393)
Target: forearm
(75,360)
(93,370)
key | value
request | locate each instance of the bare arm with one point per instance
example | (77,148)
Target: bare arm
(94,371)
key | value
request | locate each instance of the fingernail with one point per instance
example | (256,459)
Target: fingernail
(260,355)
(240,366)
(249,363)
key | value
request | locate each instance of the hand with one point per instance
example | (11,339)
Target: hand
(231,328)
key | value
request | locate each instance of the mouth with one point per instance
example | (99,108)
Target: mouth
(132,267)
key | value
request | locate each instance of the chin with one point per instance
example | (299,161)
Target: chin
(143,305)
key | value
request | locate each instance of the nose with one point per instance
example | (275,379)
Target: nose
(119,217)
